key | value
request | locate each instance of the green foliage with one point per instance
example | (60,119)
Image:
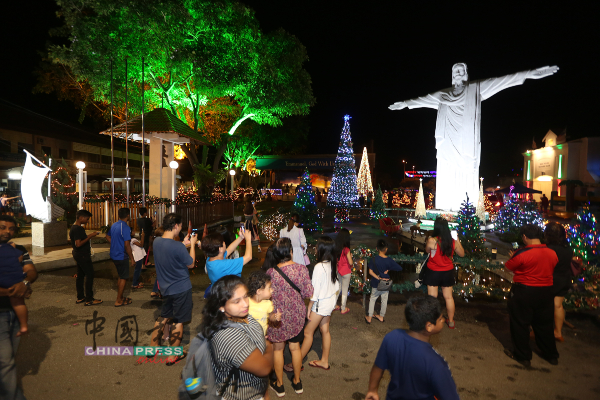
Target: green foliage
(305,204)
(469,232)
(196,52)
(378,208)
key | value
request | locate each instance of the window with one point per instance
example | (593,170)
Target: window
(26,146)
(5,145)
(63,153)
(47,150)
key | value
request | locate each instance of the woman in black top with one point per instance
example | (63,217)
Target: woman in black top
(556,239)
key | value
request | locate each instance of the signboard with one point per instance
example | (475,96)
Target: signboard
(301,163)
(420,174)
(544,166)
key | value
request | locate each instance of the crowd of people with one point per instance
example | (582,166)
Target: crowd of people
(249,323)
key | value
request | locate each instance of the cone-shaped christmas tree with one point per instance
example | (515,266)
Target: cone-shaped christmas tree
(305,204)
(378,208)
(420,209)
(364,175)
(508,215)
(343,192)
(480,212)
(469,232)
(584,237)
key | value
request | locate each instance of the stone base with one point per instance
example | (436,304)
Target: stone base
(49,234)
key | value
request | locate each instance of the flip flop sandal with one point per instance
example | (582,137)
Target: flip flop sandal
(140,286)
(346,311)
(79,301)
(156,296)
(177,359)
(290,368)
(337,308)
(126,302)
(94,302)
(315,365)
(367,321)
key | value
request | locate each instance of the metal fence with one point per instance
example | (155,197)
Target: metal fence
(199,214)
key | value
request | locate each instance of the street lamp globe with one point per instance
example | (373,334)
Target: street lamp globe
(174,164)
(232,172)
(80,164)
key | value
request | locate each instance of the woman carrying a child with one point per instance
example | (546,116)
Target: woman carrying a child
(291,285)
(239,351)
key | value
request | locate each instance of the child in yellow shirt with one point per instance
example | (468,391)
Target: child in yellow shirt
(261,306)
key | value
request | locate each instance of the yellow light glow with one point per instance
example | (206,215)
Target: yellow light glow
(544,178)
(179,153)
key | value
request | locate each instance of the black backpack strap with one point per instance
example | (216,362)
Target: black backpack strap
(288,280)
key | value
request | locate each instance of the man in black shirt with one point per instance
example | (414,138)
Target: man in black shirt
(82,253)
(145,226)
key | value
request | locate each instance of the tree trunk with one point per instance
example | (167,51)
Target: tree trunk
(204,154)
(220,151)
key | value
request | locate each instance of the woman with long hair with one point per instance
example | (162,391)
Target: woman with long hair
(289,299)
(296,235)
(322,302)
(441,248)
(344,266)
(241,346)
(251,222)
(270,260)
(556,239)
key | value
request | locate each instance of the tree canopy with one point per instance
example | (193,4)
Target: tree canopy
(207,61)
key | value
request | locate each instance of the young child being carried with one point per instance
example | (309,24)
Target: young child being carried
(417,371)
(261,306)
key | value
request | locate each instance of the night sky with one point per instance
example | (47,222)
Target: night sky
(365,56)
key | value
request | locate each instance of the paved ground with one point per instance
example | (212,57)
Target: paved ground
(52,365)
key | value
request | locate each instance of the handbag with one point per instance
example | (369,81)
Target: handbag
(576,266)
(383,286)
(306,259)
(422,270)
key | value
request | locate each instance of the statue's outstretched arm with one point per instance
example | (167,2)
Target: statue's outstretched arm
(429,101)
(491,86)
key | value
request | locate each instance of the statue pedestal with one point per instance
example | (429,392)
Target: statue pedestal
(49,234)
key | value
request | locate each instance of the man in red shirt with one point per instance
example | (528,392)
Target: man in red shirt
(531,301)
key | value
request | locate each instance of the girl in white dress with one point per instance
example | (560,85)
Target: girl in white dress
(296,235)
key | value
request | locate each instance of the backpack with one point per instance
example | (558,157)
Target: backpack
(200,365)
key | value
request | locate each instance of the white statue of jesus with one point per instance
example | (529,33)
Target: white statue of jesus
(457,138)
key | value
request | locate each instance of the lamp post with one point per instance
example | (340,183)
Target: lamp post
(232,173)
(80,166)
(404,164)
(174,165)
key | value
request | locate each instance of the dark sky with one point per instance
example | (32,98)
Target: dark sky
(365,56)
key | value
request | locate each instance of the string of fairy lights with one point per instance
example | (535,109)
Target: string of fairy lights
(363,181)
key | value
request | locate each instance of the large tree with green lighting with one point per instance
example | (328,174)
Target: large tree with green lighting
(206,61)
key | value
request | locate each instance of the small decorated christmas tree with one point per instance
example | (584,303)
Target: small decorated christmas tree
(530,214)
(583,236)
(378,208)
(420,209)
(305,204)
(469,232)
(364,175)
(508,217)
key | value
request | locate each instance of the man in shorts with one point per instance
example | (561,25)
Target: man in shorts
(172,262)
(119,237)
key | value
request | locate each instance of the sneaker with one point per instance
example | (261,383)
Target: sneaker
(297,387)
(279,390)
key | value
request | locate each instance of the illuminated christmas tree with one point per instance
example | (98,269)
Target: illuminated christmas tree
(514,214)
(343,192)
(481,203)
(364,175)
(378,208)
(583,236)
(420,209)
(469,232)
(305,204)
